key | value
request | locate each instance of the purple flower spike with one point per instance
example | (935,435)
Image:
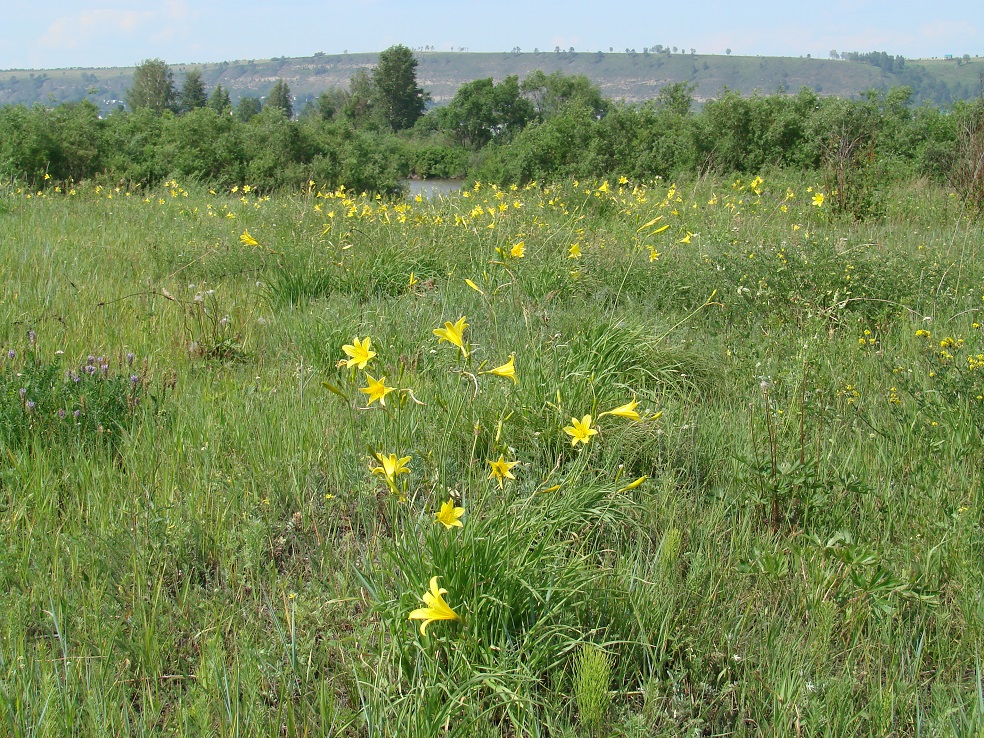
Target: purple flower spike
(61,412)
(76,414)
(129,359)
(30,406)
(32,337)
(22,392)
(134,379)
(91,360)
(11,354)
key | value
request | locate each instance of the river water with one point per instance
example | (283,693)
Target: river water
(430,188)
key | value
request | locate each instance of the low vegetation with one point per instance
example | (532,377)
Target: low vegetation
(574,457)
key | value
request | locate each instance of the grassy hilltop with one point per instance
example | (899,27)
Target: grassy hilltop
(621,76)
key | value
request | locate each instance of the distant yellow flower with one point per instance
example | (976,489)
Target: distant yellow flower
(604,187)
(501,469)
(449,515)
(413,279)
(248,240)
(377,389)
(818,199)
(574,251)
(580,431)
(507,370)
(437,608)
(453,333)
(474,286)
(686,239)
(628,410)
(358,353)
(518,250)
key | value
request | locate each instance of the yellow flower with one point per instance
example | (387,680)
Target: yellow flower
(574,251)
(437,608)
(502,469)
(686,239)
(358,353)
(628,410)
(391,468)
(248,240)
(449,515)
(474,286)
(818,199)
(633,485)
(518,250)
(580,431)
(453,334)
(507,370)
(377,389)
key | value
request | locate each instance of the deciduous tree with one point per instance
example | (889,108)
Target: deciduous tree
(397,98)
(153,87)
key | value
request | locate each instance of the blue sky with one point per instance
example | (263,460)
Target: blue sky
(98,33)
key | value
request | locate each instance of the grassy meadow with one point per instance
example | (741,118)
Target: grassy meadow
(696,459)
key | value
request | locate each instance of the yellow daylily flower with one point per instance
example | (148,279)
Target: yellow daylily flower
(358,352)
(518,250)
(437,608)
(377,389)
(501,469)
(580,431)
(818,199)
(628,410)
(248,240)
(449,516)
(507,370)
(391,468)
(453,333)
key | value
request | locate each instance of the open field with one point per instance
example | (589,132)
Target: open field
(732,488)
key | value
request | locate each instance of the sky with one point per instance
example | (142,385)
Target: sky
(105,33)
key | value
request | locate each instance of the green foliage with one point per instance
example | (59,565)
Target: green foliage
(89,406)
(395,97)
(193,95)
(219,100)
(481,112)
(551,93)
(247,108)
(592,677)
(152,87)
(280,98)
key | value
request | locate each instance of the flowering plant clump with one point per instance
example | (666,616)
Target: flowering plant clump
(92,401)
(435,607)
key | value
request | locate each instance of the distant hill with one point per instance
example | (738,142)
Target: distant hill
(629,76)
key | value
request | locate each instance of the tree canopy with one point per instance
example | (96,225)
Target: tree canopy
(396,97)
(153,87)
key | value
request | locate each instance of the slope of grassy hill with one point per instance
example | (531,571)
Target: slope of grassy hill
(633,77)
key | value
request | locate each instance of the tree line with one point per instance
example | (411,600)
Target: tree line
(380,131)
